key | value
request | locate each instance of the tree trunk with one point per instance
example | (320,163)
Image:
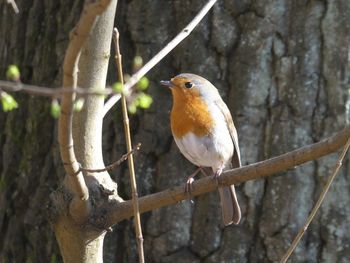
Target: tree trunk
(282,68)
(81,241)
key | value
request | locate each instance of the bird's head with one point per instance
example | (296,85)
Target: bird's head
(187,86)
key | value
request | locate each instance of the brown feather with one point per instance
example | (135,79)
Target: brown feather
(231,212)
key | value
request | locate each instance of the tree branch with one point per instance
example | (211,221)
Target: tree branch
(14,5)
(317,205)
(41,91)
(112,165)
(138,228)
(11,86)
(161,54)
(121,211)
(79,206)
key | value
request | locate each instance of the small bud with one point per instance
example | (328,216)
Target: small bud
(138,62)
(55,109)
(126,77)
(8,102)
(78,104)
(117,87)
(144,100)
(143,83)
(132,108)
(13,73)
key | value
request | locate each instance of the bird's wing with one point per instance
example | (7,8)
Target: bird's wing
(236,158)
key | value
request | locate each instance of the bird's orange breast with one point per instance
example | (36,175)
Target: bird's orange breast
(189,114)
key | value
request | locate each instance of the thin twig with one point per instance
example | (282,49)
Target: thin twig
(14,5)
(317,205)
(50,92)
(113,165)
(161,54)
(138,229)
(260,170)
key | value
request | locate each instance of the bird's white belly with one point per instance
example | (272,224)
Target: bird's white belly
(207,151)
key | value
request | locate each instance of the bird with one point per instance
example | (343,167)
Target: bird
(203,130)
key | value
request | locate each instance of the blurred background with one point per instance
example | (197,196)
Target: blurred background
(281,66)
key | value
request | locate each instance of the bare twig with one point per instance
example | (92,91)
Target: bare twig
(14,5)
(113,165)
(138,229)
(57,92)
(124,210)
(317,205)
(50,92)
(161,54)
(79,206)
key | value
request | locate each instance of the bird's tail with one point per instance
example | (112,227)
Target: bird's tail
(231,212)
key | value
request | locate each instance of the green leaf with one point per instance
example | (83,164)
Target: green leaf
(13,73)
(126,77)
(8,102)
(55,109)
(78,104)
(132,108)
(143,83)
(144,100)
(138,62)
(117,87)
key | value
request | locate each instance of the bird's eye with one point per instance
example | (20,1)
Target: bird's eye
(188,85)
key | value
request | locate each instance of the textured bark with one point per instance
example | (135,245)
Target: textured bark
(281,66)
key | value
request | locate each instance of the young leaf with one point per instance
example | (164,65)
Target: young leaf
(78,104)
(138,62)
(143,83)
(117,87)
(132,108)
(13,73)
(55,109)
(8,102)
(144,100)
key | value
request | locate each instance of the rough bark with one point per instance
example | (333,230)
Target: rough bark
(281,66)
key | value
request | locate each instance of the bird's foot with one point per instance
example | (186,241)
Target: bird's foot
(189,186)
(190,180)
(217,174)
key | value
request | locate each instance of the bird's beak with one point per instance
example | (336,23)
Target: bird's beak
(167,83)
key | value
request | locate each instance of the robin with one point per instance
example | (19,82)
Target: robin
(203,130)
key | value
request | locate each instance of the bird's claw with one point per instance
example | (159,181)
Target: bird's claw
(217,174)
(189,186)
